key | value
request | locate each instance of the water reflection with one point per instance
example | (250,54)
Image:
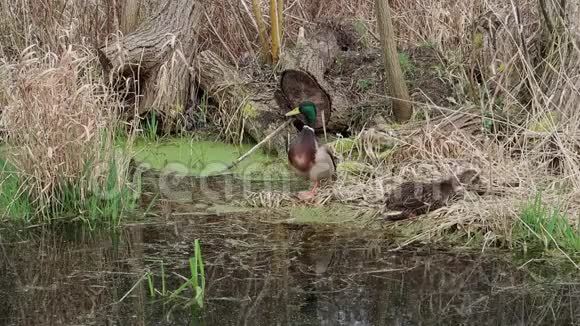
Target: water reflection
(261,273)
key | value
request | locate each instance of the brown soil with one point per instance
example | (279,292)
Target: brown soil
(360,75)
(427,85)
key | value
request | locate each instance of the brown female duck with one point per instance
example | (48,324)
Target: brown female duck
(415,198)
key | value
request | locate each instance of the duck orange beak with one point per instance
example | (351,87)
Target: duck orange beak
(295,111)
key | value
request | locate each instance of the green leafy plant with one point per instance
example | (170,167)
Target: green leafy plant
(196,282)
(543,228)
(14,201)
(151,126)
(365,84)
(406,64)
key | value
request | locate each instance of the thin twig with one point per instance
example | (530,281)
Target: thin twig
(324,126)
(558,247)
(224,44)
(547,17)
(255,148)
(132,288)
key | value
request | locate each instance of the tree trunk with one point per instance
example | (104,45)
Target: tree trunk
(156,57)
(565,81)
(397,88)
(264,45)
(130,15)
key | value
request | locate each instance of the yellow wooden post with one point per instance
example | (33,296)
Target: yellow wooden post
(274,30)
(261,29)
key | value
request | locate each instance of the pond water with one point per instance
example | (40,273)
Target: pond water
(264,267)
(260,272)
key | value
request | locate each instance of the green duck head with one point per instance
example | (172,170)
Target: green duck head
(308,110)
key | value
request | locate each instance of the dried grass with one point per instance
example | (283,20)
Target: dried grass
(497,62)
(516,91)
(511,175)
(61,127)
(51,25)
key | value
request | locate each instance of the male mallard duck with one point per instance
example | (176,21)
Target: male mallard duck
(415,198)
(308,158)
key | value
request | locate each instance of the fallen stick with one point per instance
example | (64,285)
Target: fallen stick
(258,145)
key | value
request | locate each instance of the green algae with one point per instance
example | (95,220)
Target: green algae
(205,158)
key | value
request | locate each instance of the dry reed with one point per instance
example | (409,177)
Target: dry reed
(61,129)
(522,134)
(495,54)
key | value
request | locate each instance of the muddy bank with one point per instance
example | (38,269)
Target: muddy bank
(268,260)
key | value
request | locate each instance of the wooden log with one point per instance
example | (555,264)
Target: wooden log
(259,109)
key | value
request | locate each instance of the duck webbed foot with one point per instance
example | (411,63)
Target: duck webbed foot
(308,195)
(305,196)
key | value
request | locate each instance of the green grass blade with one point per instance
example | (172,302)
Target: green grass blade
(150,283)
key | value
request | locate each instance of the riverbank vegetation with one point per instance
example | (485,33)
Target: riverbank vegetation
(493,85)
(61,125)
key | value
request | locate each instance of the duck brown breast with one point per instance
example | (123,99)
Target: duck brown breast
(302,156)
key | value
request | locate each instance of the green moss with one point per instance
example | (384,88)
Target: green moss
(331,214)
(343,146)
(249,111)
(353,167)
(547,124)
